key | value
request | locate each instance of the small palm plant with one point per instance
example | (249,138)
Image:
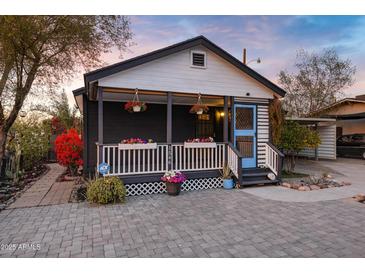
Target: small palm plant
(226,173)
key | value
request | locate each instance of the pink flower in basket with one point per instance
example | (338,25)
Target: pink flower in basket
(173,177)
(201,140)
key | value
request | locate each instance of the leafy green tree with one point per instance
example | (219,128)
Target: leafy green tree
(318,81)
(59,108)
(31,136)
(295,138)
(39,51)
(277,119)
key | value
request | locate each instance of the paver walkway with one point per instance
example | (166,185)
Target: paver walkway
(210,223)
(351,170)
(37,194)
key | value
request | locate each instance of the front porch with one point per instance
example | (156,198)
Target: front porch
(169,123)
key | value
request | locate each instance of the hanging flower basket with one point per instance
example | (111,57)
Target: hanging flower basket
(199,107)
(135,105)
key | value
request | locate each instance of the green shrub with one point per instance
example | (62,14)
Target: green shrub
(295,138)
(31,137)
(106,190)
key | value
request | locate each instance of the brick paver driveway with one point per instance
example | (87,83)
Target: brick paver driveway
(212,223)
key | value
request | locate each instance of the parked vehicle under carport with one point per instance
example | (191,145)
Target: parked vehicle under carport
(351,145)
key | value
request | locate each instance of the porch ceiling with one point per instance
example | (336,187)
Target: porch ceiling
(160,97)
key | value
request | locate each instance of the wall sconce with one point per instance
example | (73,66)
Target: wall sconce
(221,114)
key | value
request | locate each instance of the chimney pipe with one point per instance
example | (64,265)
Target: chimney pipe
(244,56)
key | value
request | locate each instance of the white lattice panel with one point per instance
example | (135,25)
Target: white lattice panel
(159,187)
(145,188)
(202,183)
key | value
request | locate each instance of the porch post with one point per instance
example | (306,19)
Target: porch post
(169,129)
(225,120)
(100,122)
(232,120)
(169,119)
(316,148)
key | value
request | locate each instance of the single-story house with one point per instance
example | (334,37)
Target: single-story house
(170,81)
(349,113)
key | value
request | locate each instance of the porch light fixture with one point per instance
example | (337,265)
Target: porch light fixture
(221,114)
(258,61)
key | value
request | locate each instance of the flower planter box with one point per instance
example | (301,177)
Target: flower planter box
(137,146)
(200,145)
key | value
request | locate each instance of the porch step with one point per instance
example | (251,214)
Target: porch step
(256,176)
(259,182)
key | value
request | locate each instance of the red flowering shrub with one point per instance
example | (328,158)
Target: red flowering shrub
(56,125)
(69,150)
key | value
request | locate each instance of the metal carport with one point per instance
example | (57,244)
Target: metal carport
(326,127)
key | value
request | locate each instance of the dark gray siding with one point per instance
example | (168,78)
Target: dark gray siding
(183,123)
(92,134)
(120,124)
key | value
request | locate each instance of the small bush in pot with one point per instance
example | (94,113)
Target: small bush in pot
(106,190)
(226,175)
(173,180)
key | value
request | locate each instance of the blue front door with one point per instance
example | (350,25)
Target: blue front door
(245,133)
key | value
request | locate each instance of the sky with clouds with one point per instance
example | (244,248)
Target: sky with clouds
(275,39)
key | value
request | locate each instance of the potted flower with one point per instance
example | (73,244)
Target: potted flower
(200,143)
(135,106)
(137,143)
(173,180)
(226,175)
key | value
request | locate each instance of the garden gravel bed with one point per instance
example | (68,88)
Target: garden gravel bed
(10,191)
(313,183)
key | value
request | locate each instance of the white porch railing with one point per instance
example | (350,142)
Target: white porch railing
(143,161)
(232,161)
(190,159)
(134,161)
(273,159)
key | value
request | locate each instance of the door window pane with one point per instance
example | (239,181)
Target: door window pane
(244,118)
(245,145)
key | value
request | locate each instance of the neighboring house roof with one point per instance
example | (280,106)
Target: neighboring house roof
(309,119)
(199,40)
(337,104)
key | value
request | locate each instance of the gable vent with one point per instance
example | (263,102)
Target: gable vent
(198,59)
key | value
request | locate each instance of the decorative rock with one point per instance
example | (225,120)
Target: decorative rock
(314,187)
(346,183)
(285,184)
(296,185)
(304,188)
(360,198)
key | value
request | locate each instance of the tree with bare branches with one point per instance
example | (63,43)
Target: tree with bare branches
(318,81)
(39,51)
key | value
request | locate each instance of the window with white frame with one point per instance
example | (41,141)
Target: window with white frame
(198,59)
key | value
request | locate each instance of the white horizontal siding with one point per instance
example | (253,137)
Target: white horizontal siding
(263,131)
(174,73)
(327,148)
